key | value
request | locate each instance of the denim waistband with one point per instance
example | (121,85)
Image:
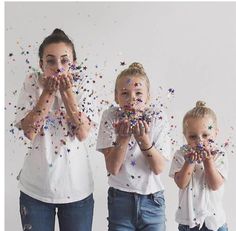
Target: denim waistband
(113,191)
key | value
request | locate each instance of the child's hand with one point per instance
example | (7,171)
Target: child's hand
(122,128)
(209,150)
(141,132)
(50,83)
(191,157)
(65,81)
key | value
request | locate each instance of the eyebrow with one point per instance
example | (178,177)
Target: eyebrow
(136,89)
(55,56)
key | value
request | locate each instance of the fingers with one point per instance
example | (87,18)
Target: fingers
(122,128)
(146,126)
(198,154)
(141,128)
(51,83)
(66,81)
(136,129)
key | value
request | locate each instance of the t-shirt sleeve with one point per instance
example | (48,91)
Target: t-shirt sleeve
(161,136)
(106,133)
(27,99)
(221,162)
(86,97)
(177,163)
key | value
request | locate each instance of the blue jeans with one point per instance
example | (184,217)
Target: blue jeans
(40,216)
(135,212)
(204,228)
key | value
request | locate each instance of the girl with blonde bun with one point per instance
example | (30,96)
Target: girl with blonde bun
(134,140)
(199,169)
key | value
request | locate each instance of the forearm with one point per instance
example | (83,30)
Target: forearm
(155,160)
(115,157)
(213,178)
(183,177)
(34,120)
(154,157)
(77,117)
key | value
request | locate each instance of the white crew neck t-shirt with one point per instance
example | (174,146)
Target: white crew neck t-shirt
(197,202)
(135,174)
(56,168)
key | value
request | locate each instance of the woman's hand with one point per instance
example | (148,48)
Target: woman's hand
(66,81)
(51,83)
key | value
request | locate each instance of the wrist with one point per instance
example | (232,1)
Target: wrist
(147,148)
(66,90)
(208,161)
(122,139)
(48,92)
(144,144)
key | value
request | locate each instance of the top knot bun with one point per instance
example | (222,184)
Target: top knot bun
(137,66)
(200,104)
(59,32)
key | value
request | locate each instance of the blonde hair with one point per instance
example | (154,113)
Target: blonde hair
(134,69)
(199,111)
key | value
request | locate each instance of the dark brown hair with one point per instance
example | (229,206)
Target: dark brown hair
(57,36)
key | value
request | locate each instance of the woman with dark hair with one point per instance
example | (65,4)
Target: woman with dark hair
(56,112)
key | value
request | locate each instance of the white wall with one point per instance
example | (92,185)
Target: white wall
(190,47)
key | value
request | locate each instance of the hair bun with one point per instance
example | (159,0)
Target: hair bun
(59,32)
(137,66)
(200,104)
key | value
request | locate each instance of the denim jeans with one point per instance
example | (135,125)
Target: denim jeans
(135,212)
(40,216)
(204,228)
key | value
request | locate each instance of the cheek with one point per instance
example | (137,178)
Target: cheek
(48,71)
(191,142)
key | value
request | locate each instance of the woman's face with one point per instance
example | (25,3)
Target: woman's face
(57,58)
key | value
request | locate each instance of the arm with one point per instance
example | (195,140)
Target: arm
(155,160)
(213,178)
(34,120)
(154,157)
(183,177)
(76,116)
(115,156)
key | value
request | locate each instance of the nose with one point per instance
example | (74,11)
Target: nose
(133,97)
(58,66)
(200,140)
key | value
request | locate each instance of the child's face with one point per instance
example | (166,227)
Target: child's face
(132,93)
(200,131)
(57,58)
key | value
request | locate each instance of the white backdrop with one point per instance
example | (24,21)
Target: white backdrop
(190,47)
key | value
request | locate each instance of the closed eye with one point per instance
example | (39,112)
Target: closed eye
(51,61)
(65,61)
(193,137)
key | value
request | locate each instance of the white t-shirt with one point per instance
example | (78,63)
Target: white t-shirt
(56,169)
(197,202)
(135,174)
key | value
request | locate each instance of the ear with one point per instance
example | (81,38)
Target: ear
(41,64)
(216,131)
(116,98)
